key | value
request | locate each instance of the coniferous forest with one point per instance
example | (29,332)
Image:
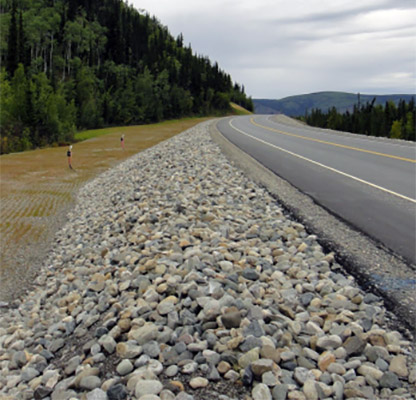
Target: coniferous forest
(391,120)
(68,65)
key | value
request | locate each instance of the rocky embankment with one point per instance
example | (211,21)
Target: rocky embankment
(178,278)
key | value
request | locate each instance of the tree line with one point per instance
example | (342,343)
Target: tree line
(391,120)
(74,64)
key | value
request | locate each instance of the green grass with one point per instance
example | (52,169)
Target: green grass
(85,135)
(92,133)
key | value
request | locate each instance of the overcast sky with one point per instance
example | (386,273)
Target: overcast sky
(279,48)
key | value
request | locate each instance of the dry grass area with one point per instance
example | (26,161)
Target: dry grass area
(238,110)
(37,188)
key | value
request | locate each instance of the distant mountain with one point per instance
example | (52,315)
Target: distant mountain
(299,105)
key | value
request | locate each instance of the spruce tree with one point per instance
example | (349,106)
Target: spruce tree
(21,43)
(12,47)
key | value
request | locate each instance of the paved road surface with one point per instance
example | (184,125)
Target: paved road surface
(368,182)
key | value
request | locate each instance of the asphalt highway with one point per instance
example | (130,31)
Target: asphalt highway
(370,183)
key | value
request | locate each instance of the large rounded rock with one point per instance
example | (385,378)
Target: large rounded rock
(144,387)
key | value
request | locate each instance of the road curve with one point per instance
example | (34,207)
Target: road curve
(368,182)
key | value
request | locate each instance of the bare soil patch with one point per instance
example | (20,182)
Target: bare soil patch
(37,188)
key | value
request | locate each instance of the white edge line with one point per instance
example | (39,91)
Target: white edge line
(323,165)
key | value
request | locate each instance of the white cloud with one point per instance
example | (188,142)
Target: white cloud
(280,48)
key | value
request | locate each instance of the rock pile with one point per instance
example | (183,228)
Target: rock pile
(177,278)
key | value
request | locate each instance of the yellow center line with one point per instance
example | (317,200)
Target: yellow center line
(321,165)
(331,143)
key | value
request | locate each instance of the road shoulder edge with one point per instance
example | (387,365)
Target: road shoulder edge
(370,263)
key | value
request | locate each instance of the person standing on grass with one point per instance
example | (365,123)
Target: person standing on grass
(122,141)
(69,154)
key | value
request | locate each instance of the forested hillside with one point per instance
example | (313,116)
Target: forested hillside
(370,119)
(76,64)
(300,105)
